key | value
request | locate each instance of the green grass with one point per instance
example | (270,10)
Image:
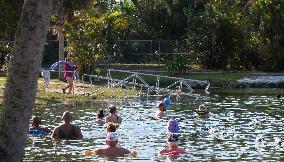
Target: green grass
(218,78)
(133,66)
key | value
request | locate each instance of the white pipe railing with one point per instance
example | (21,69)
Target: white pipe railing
(137,76)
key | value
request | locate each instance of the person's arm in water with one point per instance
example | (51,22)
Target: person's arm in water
(91,152)
(99,151)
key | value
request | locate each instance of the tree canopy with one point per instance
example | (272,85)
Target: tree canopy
(221,34)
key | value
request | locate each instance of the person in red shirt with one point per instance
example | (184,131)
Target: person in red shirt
(173,148)
(68,75)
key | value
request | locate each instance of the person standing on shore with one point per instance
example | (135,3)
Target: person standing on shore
(68,75)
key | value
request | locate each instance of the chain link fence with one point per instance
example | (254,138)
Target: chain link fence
(147,51)
(123,52)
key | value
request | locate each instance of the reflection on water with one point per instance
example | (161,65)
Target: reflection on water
(233,130)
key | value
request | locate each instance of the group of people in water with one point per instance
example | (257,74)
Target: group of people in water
(70,131)
(67,130)
(112,121)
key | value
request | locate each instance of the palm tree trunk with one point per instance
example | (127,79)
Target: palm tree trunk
(21,85)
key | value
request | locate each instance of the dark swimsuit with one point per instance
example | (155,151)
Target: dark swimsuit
(116,119)
(71,135)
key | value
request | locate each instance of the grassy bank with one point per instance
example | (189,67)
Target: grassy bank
(217,79)
(53,93)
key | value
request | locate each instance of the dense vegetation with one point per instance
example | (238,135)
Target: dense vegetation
(222,34)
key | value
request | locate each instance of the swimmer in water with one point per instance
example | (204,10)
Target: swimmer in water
(112,150)
(172,126)
(168,101)
(202,110)
(111,127)
(67,130)
(100,117)
(161,110)
(173,149)
(35,125)
(113,116)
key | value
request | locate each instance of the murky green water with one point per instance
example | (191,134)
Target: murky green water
(231,117)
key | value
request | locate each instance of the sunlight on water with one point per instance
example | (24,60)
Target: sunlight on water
(230,133)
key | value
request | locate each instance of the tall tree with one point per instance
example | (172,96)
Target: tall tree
(66,13)
(163,18)
(24,68)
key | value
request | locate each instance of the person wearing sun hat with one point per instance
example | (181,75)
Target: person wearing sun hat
(173,148)
(172,126)
(202,110)
(112,149)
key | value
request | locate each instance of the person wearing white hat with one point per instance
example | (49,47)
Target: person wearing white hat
(112,149)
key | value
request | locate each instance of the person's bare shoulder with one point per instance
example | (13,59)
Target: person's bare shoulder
(78,132)
(55,133)
(124,150)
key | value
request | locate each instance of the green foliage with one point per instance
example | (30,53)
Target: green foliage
(163,19)
(5,50)
(177,64)
(91,35)
(229,34)
(9,17)
(222,34)
(268,22)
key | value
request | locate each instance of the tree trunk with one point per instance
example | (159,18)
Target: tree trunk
(21,85)
(60,50)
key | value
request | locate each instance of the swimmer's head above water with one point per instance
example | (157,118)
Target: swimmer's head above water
(162,106)
(112,109)
(172,140)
